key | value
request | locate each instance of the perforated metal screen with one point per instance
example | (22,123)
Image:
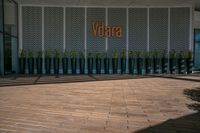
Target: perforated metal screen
(75,21)
(180,28)
(32,28)
(95,43)
(53,28)
(137,29)
(158,29)
(117,17)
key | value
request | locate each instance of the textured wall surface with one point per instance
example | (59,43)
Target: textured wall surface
(32,28)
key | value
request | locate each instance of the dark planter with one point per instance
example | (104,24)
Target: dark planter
(56,64)
(123,65)
(172,64)
(48,65)
(73,65)
(181,65)
(65,63)
(155,65)
(31,65)
(82,65)
(164,62)
(139,66)
(22,65)
(189,63)
(106,65)
(114,65)
(147,65)
(90,62)
(98,65)
(39,65)
(131,65)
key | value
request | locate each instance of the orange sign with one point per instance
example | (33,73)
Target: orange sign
(99,29)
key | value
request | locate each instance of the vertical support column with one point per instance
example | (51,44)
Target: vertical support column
(43,50)
(191,30)
(20,26)
(106,38)
(127,38)
(85,40)
(147,29)
(64,29)
(168,41)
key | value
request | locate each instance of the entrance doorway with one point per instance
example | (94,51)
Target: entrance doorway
(197,49)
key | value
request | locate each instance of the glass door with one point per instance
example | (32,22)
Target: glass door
(197,49)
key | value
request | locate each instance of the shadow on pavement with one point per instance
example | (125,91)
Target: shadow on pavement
(185,124)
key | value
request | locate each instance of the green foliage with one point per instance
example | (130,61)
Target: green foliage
(187,54)
(105,54)
(22,54)
(73,54)
(56,54)
(66,54)
(39,54)
(30,54)
(161,54)
(98,55)
(47,54)
(123,53)
(132,54)
(115,54)
(173,54)
(81,54)
(90,54)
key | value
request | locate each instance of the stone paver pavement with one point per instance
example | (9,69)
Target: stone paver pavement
(113,106)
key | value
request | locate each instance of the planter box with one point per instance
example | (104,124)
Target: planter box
(73,65)
(139,66)
(147,65)
(39,65)
(114,65)
(65,63)
(172,65)
(56,62)
(189,64)
(90,62)
(22,65)
(164,65)
(48,65)
(131,65)
(98,65)
(123,65)
(181,65)
(106,65)
(82,65)
(31,65)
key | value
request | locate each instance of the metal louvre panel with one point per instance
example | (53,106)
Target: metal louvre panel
(95,43)
(180,28)
(53,28)
(117,17)
(137,29)
(158,29)
(75,23)
(32,28)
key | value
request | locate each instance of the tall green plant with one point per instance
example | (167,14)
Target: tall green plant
(81,54)
(56,54)
(22,54)
(65,54)
(30,54)
(123,53)
(114,54)
(98,55)
(104,54)
(39,54)
(73,54)
(90,54)
(47,54)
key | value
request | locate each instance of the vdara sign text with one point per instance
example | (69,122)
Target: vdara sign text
(100,30)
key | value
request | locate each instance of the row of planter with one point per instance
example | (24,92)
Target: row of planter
(155,62)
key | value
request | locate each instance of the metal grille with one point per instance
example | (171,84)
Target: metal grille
(158,29)
(95,43)
(75,29)
(137,29)
(53,28)
(117,17)
(180,27)
(32,28)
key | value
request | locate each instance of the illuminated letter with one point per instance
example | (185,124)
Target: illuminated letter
(108,31)
(95,28)
(118,32)
(101,29)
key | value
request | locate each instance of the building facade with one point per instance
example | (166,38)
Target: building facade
(92,27)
